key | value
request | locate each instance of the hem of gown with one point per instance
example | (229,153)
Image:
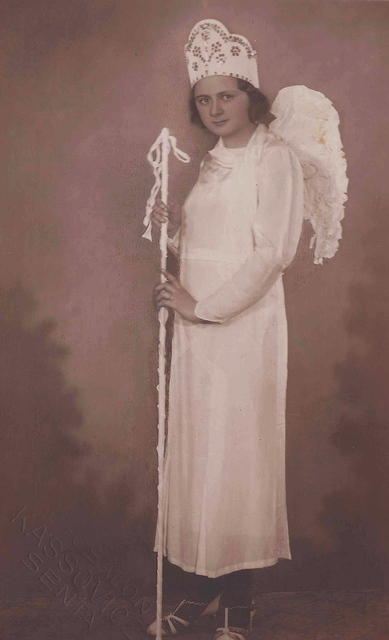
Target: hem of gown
(250,564)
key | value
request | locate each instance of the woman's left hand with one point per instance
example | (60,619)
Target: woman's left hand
(172,294)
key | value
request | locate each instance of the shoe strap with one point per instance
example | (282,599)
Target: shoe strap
(234,635)
(190,609)
(171,618)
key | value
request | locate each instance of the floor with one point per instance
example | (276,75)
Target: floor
(279,616)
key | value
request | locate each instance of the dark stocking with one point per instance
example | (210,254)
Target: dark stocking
(201,588)
(238,588)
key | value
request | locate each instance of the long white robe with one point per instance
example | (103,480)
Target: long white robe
(225,497)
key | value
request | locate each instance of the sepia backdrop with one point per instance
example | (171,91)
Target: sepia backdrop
(86,88)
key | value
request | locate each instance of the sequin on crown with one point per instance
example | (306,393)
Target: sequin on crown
(212,50)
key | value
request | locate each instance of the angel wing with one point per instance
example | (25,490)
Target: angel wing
(309,123)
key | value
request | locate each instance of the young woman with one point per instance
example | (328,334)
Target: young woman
(225,508)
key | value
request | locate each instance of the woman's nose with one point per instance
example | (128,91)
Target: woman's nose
(216,108)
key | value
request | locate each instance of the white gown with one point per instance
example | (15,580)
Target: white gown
(225,498)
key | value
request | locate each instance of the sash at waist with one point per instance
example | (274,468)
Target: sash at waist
(211,254)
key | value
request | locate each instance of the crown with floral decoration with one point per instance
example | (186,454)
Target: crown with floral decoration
(212,50)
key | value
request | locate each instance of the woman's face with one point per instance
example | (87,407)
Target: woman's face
(222,107)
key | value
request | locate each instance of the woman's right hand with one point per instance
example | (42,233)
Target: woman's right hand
(162,213)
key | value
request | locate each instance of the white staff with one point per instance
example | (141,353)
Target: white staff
(158,157)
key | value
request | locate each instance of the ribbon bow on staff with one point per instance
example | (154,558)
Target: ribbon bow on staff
(158,157)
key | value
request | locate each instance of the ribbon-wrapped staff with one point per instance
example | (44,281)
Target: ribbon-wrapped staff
(158,157)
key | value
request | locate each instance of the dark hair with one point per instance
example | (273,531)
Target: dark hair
(259,108)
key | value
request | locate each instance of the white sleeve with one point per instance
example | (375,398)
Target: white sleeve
(276,229)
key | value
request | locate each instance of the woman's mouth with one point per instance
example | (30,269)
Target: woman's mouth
(219,123)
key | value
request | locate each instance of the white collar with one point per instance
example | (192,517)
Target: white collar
(229,156)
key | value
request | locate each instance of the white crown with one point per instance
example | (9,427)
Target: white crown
(212,50)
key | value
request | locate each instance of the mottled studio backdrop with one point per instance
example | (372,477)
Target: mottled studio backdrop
(86,87)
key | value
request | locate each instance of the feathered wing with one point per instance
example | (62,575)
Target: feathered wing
(309,123)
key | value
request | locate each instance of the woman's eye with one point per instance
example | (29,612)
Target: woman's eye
(202,100)
(227,96)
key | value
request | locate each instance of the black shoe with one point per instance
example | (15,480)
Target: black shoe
(183,616)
